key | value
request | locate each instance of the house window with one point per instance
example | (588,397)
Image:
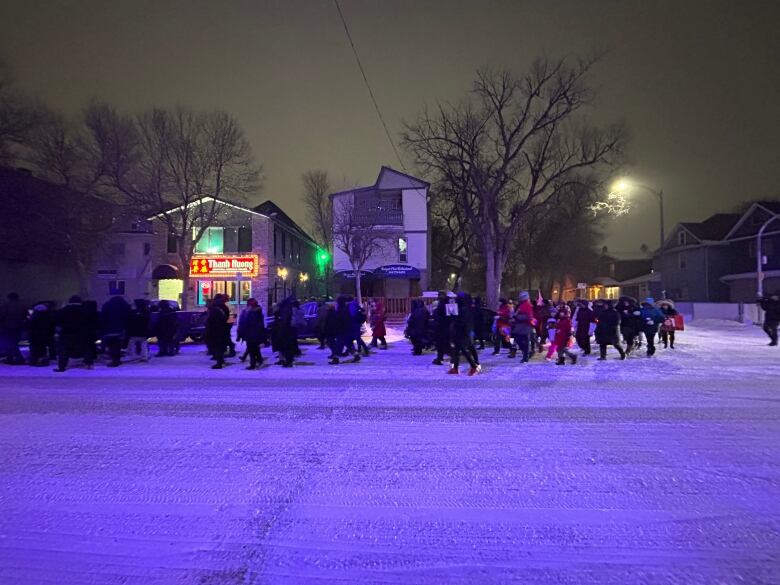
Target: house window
(284,245)
(172,246)
(403,255)
(147,248)
(245,239)
(211,242)
(681,240)
(116,287)
(681,261)
(230,240)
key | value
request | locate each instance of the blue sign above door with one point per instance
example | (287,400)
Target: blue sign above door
(397,271)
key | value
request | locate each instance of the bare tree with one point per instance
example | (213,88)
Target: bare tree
(452,234)
(18,116)
(513,146)
(356,233)
(80,217)
(178,165)
(316,198)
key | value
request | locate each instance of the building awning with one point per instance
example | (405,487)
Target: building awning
(404,271)
(165,272)
(749,276)
(349,275)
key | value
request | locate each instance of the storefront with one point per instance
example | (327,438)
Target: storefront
(212,274)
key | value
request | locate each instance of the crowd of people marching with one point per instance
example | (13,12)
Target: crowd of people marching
(455,327)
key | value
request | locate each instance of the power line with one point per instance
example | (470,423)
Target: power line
(368,86)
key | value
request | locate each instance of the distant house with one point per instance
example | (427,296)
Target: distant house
(695,257)
(608,282)
(397,204)
(49,235)
(247,252)
(740,276)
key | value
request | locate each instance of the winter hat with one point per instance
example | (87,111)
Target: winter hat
(649,301)
(523,296)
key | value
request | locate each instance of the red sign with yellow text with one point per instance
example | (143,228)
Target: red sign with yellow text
(224,266)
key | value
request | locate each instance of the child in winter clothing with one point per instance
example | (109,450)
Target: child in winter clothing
(550,327)
(667,327)
(563,337)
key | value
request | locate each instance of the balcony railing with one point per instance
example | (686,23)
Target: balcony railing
(379,217)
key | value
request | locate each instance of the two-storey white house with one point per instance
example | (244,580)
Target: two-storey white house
(397,204)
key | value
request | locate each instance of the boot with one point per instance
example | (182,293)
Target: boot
(356,359)
(437,362)
(573,359)
(334,361)
(512,353)
(475,370)
(561,362)
(453,370)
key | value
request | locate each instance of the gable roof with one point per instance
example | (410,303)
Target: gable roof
(201,201)
(714,228)
(272,210)
(389,178)
(771,207)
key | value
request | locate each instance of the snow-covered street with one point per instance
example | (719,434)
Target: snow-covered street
(662,470)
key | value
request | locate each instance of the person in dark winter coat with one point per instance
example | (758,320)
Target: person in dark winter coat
(667,327)
(630,322)
(771,307)
(166,330)
(461,331)
(319,326)
(522,323)
(608,331)
(138,330)
(337,324)
(441,329)
(251,329)
(651,320)
(357,318)
(563,330)
(378,329)
(114,320)
(286,334)
(72,322)
(583,317)
(481,326)
(417,325)
(13,317)
(41,328)
(217,331)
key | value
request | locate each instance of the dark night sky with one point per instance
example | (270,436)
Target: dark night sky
(697,82)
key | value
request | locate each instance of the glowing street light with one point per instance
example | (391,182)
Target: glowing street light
(623,187)
(282,273)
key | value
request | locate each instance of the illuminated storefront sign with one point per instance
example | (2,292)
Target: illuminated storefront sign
(224,266)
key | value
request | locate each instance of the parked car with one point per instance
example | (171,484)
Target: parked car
(310,314)
(191,324)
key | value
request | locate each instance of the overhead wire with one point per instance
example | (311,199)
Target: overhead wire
(368,86)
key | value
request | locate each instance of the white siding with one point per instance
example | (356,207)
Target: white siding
(417,249)
(415,208)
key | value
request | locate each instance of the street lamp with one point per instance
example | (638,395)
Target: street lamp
(760,257)
(625,185)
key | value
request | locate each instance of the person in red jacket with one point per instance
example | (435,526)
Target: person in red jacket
(378,329)
(502,325)
(563,336)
